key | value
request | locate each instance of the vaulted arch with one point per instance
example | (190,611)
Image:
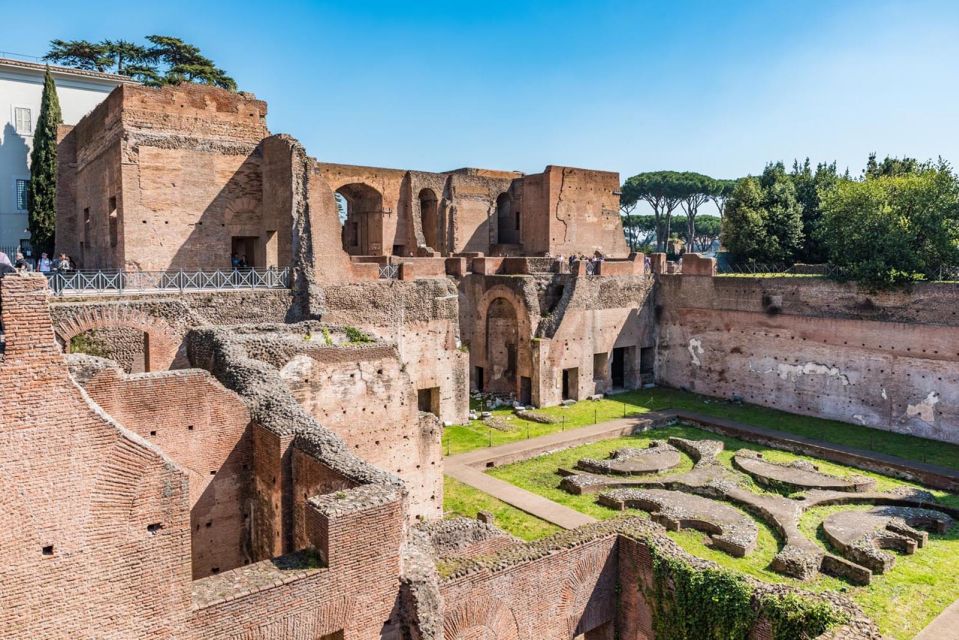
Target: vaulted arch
(161,342)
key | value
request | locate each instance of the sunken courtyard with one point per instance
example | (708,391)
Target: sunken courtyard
(418,415)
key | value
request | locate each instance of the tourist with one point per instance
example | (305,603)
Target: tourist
(44,265)
(63,263)
(235,261)
(21,263)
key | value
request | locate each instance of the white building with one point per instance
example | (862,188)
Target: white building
(21,86)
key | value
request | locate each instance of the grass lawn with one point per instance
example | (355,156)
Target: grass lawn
(928,580)
(463,500)
(462,438)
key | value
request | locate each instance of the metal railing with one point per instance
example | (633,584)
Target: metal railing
(389,271)
(758,270)
(146,281)
(772,270)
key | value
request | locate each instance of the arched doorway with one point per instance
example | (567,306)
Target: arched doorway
(502,344)
(429,217)
(507,222)
(363,220)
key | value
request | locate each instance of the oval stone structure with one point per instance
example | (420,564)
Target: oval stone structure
(729,529)
(796,475)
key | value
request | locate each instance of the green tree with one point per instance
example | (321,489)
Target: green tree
(659,190)
(809,187)
(724,188)
(892,167)
(708,229)
(79,54)
(42,192)
(694,189)
(640,231)
(743,226)
(166,60)
(782,216)
(128,57)
(891,229)
(185,63)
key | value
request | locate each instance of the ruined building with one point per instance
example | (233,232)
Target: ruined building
(266,463)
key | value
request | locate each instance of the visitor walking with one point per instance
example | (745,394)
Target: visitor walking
(44,265)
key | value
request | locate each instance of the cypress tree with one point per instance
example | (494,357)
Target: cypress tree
(42,194)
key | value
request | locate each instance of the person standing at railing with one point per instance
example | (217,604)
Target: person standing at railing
(44,264)
(21,263)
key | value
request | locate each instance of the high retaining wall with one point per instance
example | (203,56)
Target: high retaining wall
(811,346)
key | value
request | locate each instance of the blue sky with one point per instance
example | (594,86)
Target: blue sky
(718,87)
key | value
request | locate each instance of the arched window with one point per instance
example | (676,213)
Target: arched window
(363,219)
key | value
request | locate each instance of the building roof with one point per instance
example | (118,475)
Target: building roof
(23,65)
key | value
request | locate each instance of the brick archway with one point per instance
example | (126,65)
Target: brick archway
(481,619)
(498,296)
(163,343)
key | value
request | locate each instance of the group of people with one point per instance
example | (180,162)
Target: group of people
(44,264)
(594,259)
(239,262)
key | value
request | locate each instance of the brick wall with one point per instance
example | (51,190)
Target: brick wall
(365,396)
(561,595)
(205,429)
(818,348)
(103,514)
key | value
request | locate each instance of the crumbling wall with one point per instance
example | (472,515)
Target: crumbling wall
(163,178)
(814,347)
(421,318)
(90,504)
(206,430)
(562,323)
(583,212)
(365,395)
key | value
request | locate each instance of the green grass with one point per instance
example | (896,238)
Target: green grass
(462,438)
(462,500)
(928,580)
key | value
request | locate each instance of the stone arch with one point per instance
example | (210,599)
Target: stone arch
(587,595)
(162,343)
(481,619)
(480,347)
(363,226)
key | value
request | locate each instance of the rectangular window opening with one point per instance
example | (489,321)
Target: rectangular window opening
(23,194)
(23,120)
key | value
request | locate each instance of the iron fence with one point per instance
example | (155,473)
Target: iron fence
(771,270)
(389,271)
(145,281)
(759,270)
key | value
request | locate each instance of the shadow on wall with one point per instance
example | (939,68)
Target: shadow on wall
(14,153)
(234,222)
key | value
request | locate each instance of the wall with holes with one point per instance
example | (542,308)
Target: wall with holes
(365,395)
(816,347)
(205,429)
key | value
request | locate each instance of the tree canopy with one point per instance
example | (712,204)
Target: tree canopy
(663,191)
(894,228)
(165,60)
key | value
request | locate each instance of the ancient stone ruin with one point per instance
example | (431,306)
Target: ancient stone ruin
(218,455)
